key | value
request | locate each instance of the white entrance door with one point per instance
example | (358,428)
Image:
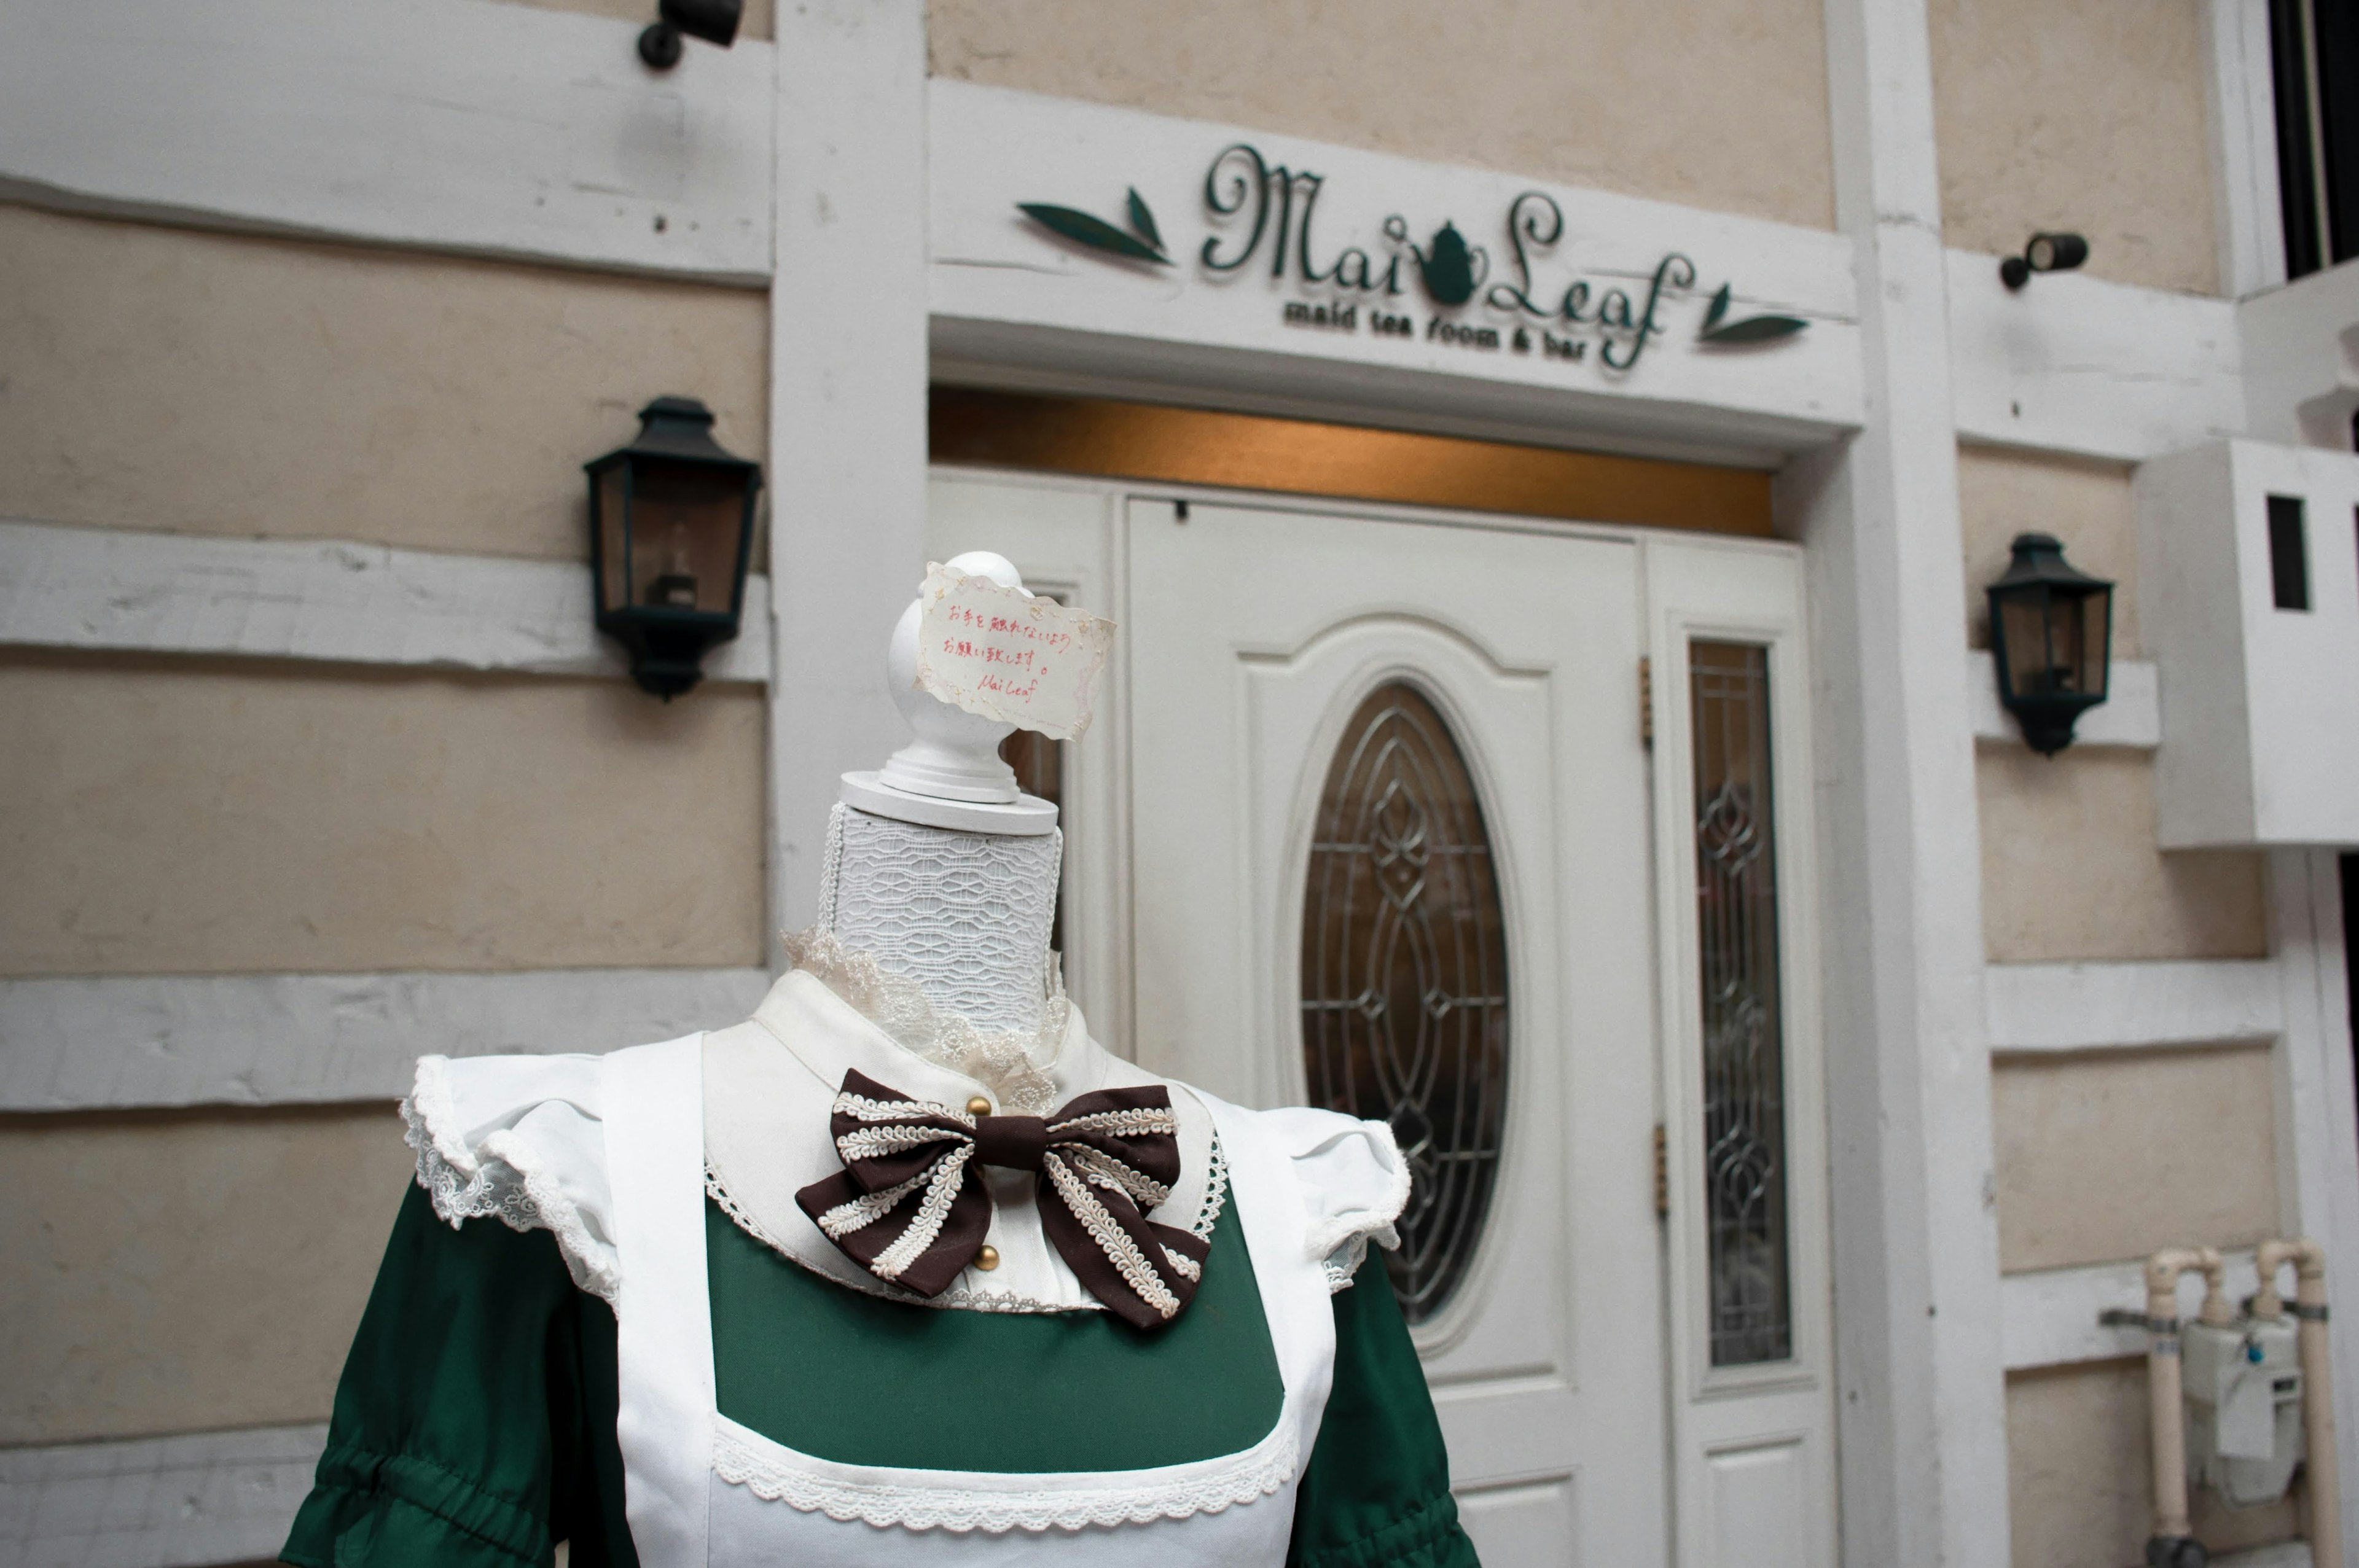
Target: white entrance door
(1258,639)
(1368,802)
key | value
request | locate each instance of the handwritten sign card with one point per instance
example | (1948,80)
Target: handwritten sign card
(1009,656)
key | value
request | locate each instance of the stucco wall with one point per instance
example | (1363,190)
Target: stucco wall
(2079,1486)
(2090,117)
(2085,504)
(2071,870)
(1715,103)
(2112,1155)
(177,816)
(166,379)
(169,1273)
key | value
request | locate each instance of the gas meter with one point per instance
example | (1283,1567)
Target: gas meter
(2244,1407)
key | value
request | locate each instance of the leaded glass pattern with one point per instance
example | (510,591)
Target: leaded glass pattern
(1405,975)
(1743,1049)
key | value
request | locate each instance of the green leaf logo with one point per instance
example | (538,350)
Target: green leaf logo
(1143,242)
(1720,332)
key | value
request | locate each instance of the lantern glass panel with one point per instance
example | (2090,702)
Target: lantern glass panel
(613,559)
(684,523)
(2089,615)
(2024,630)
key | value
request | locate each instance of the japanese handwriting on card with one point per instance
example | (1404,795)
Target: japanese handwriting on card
(998,652)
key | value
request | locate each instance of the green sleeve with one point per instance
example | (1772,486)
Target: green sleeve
(1376,1492)
(475,1423)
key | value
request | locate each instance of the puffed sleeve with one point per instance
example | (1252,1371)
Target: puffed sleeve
(475,1423)
(1376,1491)
(1353,1181)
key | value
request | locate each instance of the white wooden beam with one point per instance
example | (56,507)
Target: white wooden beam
(173,1040)
(106,589)
(2051,1313)
(2078,364)
(2240,87)
(451,124)
(848,367)
(2140,1006)
(2131,715)
(1918,1355)
(188,1501)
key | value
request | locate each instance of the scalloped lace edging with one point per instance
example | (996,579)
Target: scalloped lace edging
(504,1178)
(1015,1063)
(960,1509)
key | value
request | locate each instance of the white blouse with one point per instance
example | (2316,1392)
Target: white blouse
(616,1156)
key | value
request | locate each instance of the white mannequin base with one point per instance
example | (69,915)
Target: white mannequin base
(1028,815)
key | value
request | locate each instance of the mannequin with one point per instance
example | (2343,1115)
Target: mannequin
(1106,1320)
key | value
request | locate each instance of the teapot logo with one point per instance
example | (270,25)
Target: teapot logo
(1451,269)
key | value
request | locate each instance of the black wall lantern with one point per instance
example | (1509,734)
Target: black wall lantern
(671,528)
(714,21)
(2051,631)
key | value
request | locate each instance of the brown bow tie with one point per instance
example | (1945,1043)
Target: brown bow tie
(911,1207)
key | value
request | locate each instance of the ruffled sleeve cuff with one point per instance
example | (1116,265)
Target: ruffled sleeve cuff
(1353,1183)
(519,1138)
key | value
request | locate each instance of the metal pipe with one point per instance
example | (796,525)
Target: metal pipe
(2163,1382)
(2321,1466)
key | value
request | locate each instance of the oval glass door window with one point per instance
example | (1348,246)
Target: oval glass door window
(1405,975)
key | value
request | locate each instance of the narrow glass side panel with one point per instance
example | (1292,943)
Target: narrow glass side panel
(1405,977)
(1742,1011)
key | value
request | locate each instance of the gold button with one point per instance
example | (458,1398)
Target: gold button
(978,1105)
(986,1256)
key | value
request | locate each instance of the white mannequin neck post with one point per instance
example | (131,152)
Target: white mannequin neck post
(946,872)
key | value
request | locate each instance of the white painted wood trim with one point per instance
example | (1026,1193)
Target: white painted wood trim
(2079,365)
(2131,715)
(199,1499)
(454,124)
(2051,1314)
(2101,1006)
(2316,1114)
(2241,90)
(171,1040)
(106,589)
(847,374)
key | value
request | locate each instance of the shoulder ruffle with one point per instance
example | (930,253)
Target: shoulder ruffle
(1353,1181)
(519,1138)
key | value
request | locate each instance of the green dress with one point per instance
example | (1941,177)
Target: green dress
(474,1424)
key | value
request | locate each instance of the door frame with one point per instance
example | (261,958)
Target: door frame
(1690,585)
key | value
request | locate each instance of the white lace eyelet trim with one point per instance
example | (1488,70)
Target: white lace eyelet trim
(744,1458)
(504,1178)
(1016,1064)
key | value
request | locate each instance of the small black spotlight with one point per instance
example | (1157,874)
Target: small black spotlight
(2046,253)
(714,21)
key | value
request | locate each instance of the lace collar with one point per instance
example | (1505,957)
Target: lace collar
(1018,1066)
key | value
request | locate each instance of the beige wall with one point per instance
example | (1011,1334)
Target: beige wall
(2089,116)
(1715,103)
(184,817)
(2080,1488)
(169,1273)
(167,379)
(2071,870)
(2085,504)
(2109,1157)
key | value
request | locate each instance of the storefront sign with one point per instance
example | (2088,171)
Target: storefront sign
(1262,215)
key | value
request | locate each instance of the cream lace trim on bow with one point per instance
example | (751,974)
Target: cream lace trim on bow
(1015,1066)
(959,1298)
(769,1472)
